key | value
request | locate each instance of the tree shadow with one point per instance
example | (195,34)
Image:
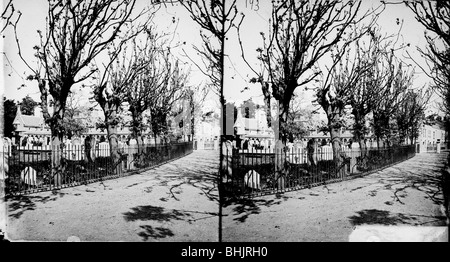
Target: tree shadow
(383,217)
(399,180)
(17,205)
(154,213)
(154,232)
(158,214)
(243,208)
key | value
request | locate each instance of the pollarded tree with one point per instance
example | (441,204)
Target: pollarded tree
(411,113)
(127,63)
(155,77)
(301,33)
(396,83)
(334,96)
(76,33)
(165,96)
(363,96)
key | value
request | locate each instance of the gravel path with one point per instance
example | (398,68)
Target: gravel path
(174,202)
(178,202)
(406,194)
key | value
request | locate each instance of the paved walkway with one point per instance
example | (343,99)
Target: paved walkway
(174,202)
(178,202)
(407,194)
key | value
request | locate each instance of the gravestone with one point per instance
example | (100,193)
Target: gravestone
(28,176)
(252,180)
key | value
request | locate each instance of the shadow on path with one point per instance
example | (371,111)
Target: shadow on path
(154,232)
(160,214)
(243,208)
(383,217)
(18,205)
(153,213)
(421,173)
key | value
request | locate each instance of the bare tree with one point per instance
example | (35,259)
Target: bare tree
(373,51)
(126,63)
(435,17)
(196,96)
(165,97)
(334,97)
(76,33)
(411,113)
(301,34)
(397,81)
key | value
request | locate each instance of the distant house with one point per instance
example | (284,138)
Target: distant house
(30,125)
(255,128)
(432,134)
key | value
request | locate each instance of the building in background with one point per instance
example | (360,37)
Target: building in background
(432,135)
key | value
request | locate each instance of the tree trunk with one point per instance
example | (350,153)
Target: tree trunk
(57,145)
(338,153)
(141,147)
(57,155)
(137,120)
(281,164)
(114,148)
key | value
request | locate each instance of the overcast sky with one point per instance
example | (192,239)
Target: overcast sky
(237,73)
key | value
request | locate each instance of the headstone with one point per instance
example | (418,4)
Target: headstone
(252,179)
(28,176)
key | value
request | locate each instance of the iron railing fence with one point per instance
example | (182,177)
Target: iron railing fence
(254,172)
(29,169)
